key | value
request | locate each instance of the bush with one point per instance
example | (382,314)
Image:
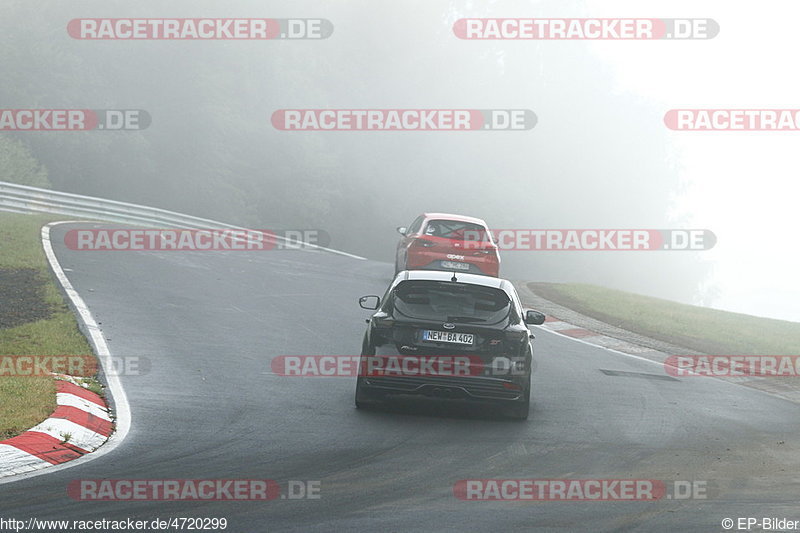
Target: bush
(17,164)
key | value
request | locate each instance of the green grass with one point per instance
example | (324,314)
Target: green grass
(697,328)
(26,401)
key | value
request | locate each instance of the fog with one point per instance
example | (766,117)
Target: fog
(599,156)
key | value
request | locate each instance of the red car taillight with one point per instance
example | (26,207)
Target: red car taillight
(488,250)
(422,243)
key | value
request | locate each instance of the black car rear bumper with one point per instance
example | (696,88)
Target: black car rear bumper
(479,389)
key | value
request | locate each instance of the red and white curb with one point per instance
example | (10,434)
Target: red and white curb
(79,425)
(16,463)
(592,337)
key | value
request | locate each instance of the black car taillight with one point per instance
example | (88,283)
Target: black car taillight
(495,346)
(513,339)
(383,321)
(422,243)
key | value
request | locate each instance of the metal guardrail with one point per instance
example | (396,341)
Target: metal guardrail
(25,199)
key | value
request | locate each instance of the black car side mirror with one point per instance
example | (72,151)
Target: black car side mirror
(402,230)
(534,317)
(372,302)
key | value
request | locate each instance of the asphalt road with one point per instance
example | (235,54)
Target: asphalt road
(210,322)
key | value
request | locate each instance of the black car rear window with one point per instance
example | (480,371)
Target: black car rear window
(450,301)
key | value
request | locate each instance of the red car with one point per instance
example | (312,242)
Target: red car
(437,241)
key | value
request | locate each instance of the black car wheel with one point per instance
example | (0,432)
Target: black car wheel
(364,397)
(521,408)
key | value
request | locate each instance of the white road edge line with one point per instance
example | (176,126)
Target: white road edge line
(662,365)
(122,410)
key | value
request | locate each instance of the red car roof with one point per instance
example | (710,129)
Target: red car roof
(450,216)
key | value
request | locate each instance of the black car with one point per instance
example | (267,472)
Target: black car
(474,321)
